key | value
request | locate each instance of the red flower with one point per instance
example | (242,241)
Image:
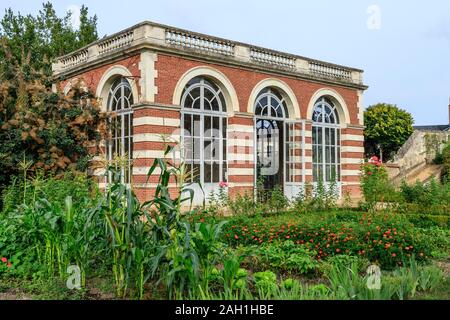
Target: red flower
(4,260)
(9,265)
(394,255)
(236,236)
(369,173)
(338,250)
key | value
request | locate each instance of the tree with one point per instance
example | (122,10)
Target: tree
(388,127)
(39,127)
(45,36)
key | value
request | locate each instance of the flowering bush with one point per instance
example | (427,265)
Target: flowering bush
(375,182)
(5,264)
(384,239)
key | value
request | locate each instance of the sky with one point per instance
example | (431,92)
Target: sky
(402,46)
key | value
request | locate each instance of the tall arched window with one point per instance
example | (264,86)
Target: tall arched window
(204,120)
(326,142)
(270,113)
(120,100)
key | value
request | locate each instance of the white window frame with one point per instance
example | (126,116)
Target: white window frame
(323,126)
(125,112)
(201,113)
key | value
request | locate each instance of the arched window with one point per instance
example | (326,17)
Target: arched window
(326,142)
(120,100)
(270,114)
(204,121)
(271,104)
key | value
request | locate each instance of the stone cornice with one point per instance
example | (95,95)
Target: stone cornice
(173,41)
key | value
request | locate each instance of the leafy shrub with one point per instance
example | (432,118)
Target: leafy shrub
(78,186)
(265,281)
(285,256)
(426,194)
(382,238)
(375,183)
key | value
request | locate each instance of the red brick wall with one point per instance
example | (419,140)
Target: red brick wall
(171,69)
(92,77)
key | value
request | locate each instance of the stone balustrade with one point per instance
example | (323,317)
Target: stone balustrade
(164,38)
(325,70)
(187,40)
(266,57)
(117,42)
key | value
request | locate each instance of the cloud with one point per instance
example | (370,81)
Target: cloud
(75,18)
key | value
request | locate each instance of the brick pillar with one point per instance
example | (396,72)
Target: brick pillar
(241,165)
(149,123)
(352,157)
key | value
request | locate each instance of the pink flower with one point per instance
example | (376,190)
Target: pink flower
(374,159)
(4,260)
(369,173)
(223,184)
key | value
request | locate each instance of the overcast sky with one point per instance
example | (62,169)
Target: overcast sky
(403,46)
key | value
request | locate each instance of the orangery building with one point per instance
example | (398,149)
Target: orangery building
(244,116)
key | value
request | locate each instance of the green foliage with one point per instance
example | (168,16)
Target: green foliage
(348,283)
(39,128)
(426,194)
(46,35)
(379,237)
(446,162)
(376,186)
(24,191)
(284,256)
(388,126)
(265,282)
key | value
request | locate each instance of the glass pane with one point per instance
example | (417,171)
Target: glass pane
(196,104)
(216,172)
(319,154)
(206,105)
(258,110)
(216,126)
(207,172)
(279,112)
(327,154)
(196,148)
(196,126)
(127,125)
(224,128)
(188,102)
(319,135)
(207,150)
(263,101)
(207,130)
(315,152)
(327,136)
(196,172)
(195,93)
(264,111)
(187,125)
